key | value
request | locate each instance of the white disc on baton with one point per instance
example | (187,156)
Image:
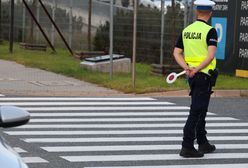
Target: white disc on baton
(172,77)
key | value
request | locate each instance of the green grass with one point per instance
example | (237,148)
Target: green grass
(62,63)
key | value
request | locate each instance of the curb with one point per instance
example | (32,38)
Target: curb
(185,93)
(178,93)
(231,93)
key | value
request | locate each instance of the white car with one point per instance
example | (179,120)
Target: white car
(11,116)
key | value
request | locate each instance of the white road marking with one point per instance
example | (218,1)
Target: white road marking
(48,120)
(112,114)
(82,103)
(127,139)
(76,98)
(34,160)
(127,125)
(105,158)
(120,132)
(105,108)
(19,150)
(131,148)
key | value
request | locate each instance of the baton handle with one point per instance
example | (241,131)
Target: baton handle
(181,73)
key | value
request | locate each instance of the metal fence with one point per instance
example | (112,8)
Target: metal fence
(72,18)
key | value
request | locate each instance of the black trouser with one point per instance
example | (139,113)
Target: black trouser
(194,128)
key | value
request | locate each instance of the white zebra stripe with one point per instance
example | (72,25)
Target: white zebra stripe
(112,114)
(120,132)
(82,103)
(34,160)
(128,125)
(105,108)
(76,99)
(131,148)
(105,158)
(48,120)
(127,139)
(19,150)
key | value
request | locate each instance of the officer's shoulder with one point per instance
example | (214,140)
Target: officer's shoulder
(213,30)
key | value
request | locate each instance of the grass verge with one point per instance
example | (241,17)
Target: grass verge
(62,63)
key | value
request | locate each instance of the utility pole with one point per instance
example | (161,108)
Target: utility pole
(134,42)
(89,25)
(111,38)
(11,34)
(173,23)
(162,34)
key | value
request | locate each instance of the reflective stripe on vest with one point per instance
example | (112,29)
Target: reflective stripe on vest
(195,45)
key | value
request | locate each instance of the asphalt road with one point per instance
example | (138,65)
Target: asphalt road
(125,132)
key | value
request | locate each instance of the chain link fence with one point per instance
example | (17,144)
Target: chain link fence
(72,18)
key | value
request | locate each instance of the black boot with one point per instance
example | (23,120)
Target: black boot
(206,148)
(188,153)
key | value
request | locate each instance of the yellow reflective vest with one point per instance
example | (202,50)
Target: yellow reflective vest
(195,45)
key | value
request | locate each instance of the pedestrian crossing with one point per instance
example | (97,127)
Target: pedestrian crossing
(118,132)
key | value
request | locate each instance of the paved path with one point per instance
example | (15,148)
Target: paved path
(16,79)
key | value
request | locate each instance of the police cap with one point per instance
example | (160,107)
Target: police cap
(204,4)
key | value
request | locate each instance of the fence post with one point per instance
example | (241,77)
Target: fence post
(70,23)
(186,12)
(53,28)
(11,33)
(23,22)
(38,19)
(89,23)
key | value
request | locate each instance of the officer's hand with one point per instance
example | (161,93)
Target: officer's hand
(192,73)
(187,71)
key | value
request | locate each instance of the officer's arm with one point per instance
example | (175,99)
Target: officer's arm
(178,55)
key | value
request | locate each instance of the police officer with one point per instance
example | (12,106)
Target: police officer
(195,52)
